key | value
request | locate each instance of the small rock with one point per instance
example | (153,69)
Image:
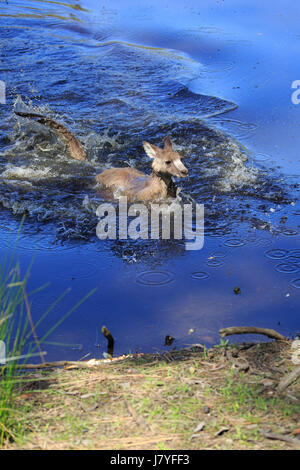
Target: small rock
(199,427)
(206,409)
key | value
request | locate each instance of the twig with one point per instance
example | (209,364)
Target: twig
(288,379)
(51,365)
(245,330)
(280,437)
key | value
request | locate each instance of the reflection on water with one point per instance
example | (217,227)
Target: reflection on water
(116,79)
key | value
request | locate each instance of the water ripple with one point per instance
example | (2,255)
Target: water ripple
(276,254)
(296,283)
(215,263)
(287,268)
(199,275)
(234,242)
(290,233)
(155,278)
(295,253)
(219,254)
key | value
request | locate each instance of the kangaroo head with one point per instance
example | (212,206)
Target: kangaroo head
(166,160)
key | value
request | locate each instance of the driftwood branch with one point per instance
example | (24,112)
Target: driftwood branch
(245,330)
(281,437)
(288,379)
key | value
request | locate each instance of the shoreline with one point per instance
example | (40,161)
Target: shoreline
(225,397)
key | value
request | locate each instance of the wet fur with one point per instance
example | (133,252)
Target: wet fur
(74,146)
(134,184)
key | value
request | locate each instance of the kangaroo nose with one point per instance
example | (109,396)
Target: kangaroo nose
(185,172)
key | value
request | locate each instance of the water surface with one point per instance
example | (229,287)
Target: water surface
(217,79)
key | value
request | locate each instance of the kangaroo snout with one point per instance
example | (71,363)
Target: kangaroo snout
(184,173)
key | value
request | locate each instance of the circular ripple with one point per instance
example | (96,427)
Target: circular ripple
(290,233)
(215,263)
(155,278)
(293,259)
(287,268)
(233,242)
(219,254)
(295,253)
(276,254)
(296,283)
(200,275)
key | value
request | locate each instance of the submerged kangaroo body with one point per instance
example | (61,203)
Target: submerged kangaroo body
(166,162)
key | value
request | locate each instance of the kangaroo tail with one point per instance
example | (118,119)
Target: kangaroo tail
(74,146)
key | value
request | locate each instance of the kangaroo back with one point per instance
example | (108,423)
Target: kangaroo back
(74,146)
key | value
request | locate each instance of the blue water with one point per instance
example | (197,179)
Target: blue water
(216,77)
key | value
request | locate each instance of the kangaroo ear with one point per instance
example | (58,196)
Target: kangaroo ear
(150,150)
(168,142)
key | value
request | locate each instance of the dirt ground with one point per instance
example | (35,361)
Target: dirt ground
(226,397)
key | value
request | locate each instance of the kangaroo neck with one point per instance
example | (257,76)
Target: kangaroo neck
(166,180)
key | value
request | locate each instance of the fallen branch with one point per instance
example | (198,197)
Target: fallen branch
(245,330)
(288,379)
(280,437)
(52,365)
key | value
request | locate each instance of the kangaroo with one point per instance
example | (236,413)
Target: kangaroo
(166,163)
(74,146)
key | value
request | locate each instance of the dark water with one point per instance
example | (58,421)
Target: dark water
(217,78)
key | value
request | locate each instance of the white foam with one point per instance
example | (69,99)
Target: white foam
(27,173)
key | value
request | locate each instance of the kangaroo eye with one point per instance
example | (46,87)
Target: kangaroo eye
(168,162)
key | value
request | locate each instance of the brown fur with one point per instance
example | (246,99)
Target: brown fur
(134,184)
(74,146)
(137,185)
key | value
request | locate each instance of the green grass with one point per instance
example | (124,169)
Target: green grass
(18,333)
(14,326)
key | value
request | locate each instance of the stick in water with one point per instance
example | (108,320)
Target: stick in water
(110,340)
(246,330)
